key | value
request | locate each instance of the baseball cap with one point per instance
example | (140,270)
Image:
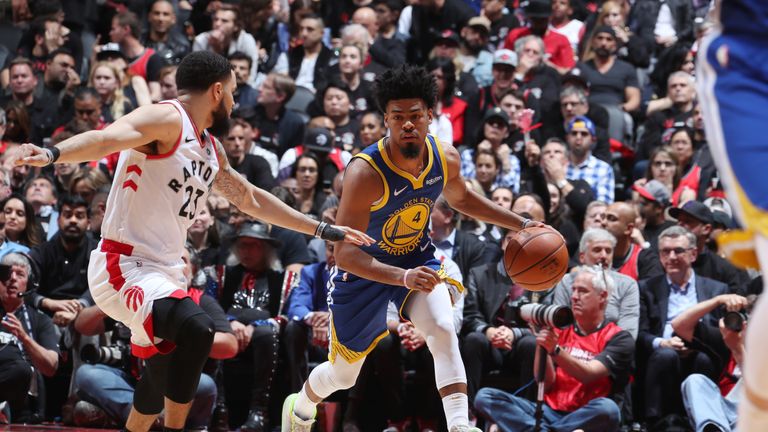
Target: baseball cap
(537,8)
(318,139)
(654,190)
(505,56)
(481,23)
(721,219)
(496,112)
(109,50)
(581,122)
(448,37)
(575,77)
(604,29)
(259,231)
(694,209)
(719,204)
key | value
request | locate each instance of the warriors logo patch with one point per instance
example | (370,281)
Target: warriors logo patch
(404,228)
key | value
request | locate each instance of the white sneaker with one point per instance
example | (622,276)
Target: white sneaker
(292,423)
(463,428)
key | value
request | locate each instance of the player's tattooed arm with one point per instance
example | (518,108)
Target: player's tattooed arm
(229,183)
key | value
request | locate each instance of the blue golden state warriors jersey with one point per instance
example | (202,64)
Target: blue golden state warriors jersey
(400,219)
(747,18)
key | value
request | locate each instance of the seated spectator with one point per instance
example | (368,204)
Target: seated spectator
(663,356)
(696,172)
(108,81)
(372,128)
(613,83)
(311,185)
(629,257)
(253,147)
(110,387)
(474,54)
(42,114)
(697,218)
(502,21)
(87,182)
(711,405)
(168,88)
(320,142)
(204,238)
(664,168)
(653,202)
(558,47)
(583,165)
(587,365)
(245,95)
(308,63)
(449,110)
(559,218)
(576,193)
(40,192)
(27,337)
(227,36)
(306,334)
(632,48)
(490,341)
(251,297)
(539,81)
(350,71)
(20,223)
(594,217)
(561,21)
(62,290)
(141,61)
(6,144)
(675,108)
(163,35)
(596,249)
(487,169)
(254,168)
(336,101)
(495,128)
(574,101)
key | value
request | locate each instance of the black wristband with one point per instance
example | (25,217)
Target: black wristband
(332,233)
(55,153)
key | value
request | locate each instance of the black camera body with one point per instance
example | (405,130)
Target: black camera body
(521,312)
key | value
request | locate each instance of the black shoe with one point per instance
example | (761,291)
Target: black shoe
(257,421)
(220,419)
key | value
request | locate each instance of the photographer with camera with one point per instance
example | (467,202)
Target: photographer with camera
(712,406)
(111,375)
(28,340)
(587,366)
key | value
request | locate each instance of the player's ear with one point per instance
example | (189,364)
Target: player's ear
(218,91)
(430,114)
(386,120)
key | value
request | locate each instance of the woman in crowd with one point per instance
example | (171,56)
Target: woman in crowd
(631,48)
(307,175)
(203,236)
(351,73)
(487,168)
(17,124)
(109,82)
(449,107)
(372,127)
(664,167)
(20,223)
(494,131)
(87,182)
(695,172)
(559,217)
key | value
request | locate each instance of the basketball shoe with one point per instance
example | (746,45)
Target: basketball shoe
(290,422)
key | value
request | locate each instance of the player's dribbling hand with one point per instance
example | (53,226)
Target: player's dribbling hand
(30,154)
(422,279)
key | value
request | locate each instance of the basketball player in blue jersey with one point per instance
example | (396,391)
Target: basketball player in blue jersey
(389,190)
(732,77)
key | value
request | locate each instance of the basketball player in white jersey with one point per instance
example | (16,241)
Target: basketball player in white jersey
(168,163)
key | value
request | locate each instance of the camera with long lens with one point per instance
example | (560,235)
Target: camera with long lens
(118,354)
(521,312)
(735,320)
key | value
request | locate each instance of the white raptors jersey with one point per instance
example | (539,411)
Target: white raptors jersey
(154,198)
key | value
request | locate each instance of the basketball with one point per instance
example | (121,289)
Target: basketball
(536,258)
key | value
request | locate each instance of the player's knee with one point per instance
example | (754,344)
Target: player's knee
(344,378)
(442,331)
(197,333)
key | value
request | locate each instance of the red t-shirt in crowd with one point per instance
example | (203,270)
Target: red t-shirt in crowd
(556,45)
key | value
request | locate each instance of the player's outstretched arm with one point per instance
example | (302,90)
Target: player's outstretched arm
(470,203)
(264,206)
(153,123)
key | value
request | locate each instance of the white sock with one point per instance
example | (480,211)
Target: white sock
(456,407)
(304,408)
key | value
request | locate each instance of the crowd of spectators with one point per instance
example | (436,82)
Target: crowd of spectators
(582,114)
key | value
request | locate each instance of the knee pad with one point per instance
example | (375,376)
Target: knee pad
(196,333)
(328,378)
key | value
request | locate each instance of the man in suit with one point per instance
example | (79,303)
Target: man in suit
(489,342)
(667,359)
(464,248)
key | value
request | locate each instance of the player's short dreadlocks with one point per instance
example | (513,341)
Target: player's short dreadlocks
(405,82)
